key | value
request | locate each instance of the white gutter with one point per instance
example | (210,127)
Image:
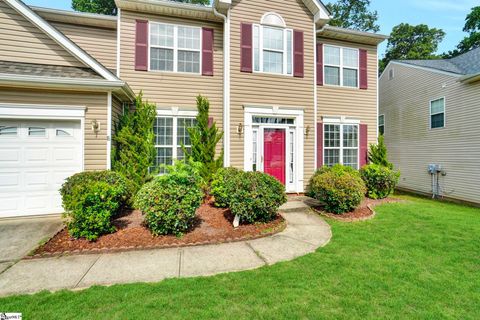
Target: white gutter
(52,81)
(226,85)
(109,131)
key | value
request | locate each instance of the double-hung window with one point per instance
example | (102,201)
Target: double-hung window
(341,66)
(272,50)
(175,48)
(437,113)
(381,124)
(341,145)
(170,134)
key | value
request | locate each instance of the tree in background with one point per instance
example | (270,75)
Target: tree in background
(108,6)
(408,42)
(204,137)
(95,6)
(472,41)
(133,152)
(353,14)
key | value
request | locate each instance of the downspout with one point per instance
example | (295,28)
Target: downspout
(226,84)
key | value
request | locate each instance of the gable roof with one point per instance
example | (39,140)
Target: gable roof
(62,40)
(464,64)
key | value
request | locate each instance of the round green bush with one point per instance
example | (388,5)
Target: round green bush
(169,202)
(256,196)
(222,186)
(91,200)
(380,180)
(340,188)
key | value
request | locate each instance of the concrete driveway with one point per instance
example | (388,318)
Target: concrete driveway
(20,236)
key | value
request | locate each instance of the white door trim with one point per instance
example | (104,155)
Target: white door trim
(298,115)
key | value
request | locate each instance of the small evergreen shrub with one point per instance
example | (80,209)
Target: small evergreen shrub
(380,180)
(255,197)
(169,202)
(223,186)
(378,153)
(340,188)
(91,200)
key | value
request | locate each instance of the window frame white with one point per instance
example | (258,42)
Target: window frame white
(341,66)
(341,147)
(262,49)
(175,114)
(175,47)
(381,125)
(433,114)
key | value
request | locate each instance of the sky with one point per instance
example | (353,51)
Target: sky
(448,15)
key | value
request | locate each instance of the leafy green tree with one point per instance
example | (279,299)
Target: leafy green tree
(408,42)
(472,41)
(353,14)
(95,6)
(378,153)
(133,151)
(204,138)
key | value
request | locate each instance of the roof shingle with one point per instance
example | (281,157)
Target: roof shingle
(44,70)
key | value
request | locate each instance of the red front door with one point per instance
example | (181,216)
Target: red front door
(274,153)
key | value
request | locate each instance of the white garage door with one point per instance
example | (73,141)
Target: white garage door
(35,158)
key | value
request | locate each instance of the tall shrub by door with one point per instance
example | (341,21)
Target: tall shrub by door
(134,144)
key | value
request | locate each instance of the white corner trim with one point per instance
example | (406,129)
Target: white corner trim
(118,40)
(66,43)
(10,110)
(315,99)
(109,131)
(378,99)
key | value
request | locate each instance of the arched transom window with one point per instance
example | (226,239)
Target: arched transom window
(272,45)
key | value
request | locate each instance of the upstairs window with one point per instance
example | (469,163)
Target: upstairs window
(272,46)
(437,113)
(175,48)
(341,66)
(381,124)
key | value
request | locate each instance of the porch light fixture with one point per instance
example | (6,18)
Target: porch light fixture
(240,128)
(95,126)
(307,131)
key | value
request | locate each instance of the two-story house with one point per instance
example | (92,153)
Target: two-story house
(290,92)
(429,114)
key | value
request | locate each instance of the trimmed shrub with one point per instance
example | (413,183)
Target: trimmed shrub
(169,202)
(340,188)
(380,180)
(222,185)
(378,153)
(91,200)
(255,197)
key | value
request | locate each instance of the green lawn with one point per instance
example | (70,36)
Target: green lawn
(418,259)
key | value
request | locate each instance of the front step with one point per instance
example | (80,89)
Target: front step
(300,203)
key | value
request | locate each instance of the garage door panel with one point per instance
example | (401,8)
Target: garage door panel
(33,168)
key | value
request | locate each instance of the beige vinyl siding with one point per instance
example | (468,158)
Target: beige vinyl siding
(117,110)
(100,43)
(352,102)
(21,41)
(412,145)
(96,104)
(271,90)
(168,89)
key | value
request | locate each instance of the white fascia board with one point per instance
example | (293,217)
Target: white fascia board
(456,75)
(15,110)
(63,41)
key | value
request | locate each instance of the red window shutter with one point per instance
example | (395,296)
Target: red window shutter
(320,64)
(141,45)
(246,51)
(207,51)
(298,54)
(363,145)
(363,69)
(319,144)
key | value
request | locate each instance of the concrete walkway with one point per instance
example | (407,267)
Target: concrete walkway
(305,233)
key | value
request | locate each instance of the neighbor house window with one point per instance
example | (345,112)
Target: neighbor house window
(170,134)
(341,66)
(175,48)
(381,124)
(437,113)
(341,145)
(272,46)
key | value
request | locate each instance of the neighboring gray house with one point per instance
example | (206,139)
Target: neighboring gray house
(429,113)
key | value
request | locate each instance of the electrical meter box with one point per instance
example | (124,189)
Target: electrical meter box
(434,168)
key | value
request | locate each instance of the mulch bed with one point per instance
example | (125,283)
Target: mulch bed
(213,225)
(363,212)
